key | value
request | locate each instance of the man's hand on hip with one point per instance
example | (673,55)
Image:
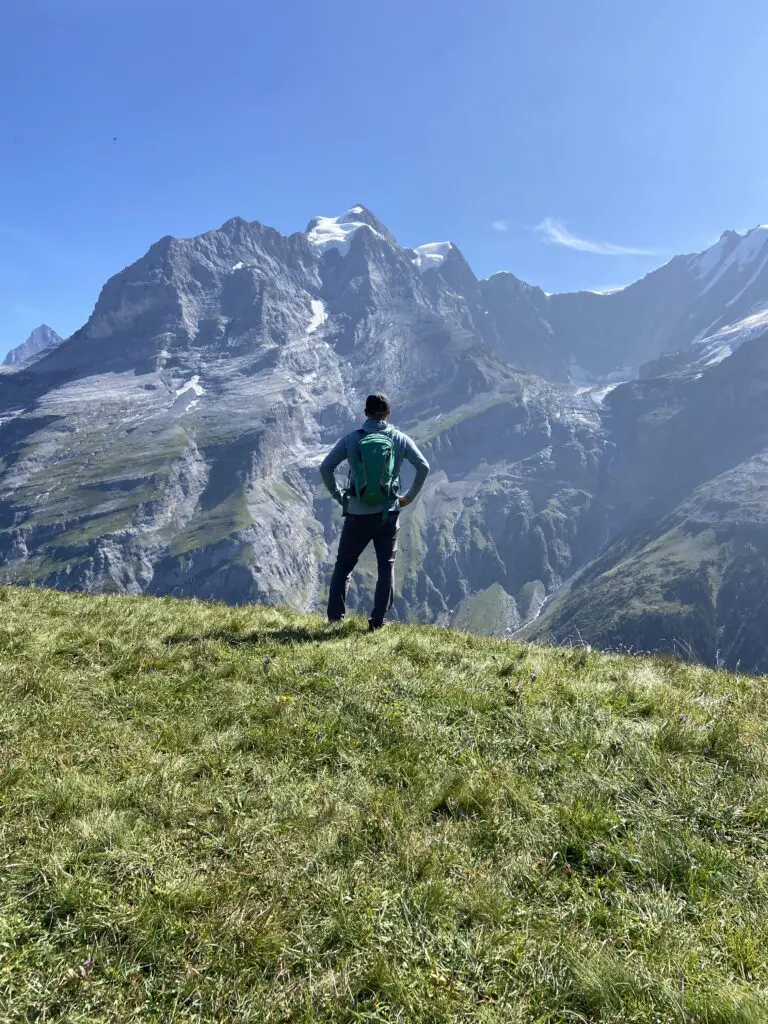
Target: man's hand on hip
(403,500)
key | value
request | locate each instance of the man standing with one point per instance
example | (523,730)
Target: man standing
(371,503)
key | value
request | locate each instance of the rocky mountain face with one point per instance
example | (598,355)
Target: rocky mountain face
(42,338)
(687,568)
(171,445)
(594,335)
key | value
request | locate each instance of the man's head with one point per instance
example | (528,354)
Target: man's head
(377,407)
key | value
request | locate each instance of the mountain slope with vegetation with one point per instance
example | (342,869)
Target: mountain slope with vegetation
(168,446)
(240,814)
(688,564)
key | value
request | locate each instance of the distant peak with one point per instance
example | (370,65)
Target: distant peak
(234,227)
(41,338)
(43,330)
(733,250)
(325,233)
(737,236)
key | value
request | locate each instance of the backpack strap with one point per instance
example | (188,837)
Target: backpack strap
(351,490)
(361,432)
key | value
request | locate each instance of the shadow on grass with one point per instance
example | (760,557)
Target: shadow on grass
(284,635)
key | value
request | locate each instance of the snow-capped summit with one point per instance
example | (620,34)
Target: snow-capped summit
(431,255)
(731,250)
(326,233)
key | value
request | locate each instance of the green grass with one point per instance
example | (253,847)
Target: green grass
(412,549)
(212,814)
(207,527)
(95,488)
(426,433)
(652,592)
(490,612)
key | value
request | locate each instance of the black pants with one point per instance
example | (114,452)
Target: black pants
(356,535)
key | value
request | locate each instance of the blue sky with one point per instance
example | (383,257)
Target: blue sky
(624,132)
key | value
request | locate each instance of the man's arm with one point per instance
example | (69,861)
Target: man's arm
(335,456)
(421,465)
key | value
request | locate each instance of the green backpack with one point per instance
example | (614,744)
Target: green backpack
(373,469)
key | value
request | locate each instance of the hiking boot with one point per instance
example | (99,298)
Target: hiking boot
(374,627)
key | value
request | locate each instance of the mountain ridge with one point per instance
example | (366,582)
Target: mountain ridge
(170,445)
(549,313)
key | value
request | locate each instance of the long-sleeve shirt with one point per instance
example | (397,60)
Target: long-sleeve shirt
(405,448)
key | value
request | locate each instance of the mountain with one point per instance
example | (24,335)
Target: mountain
(170,446)
(587,336)
(42,338)
(687,569)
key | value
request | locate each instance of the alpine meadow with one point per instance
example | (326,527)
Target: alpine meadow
(212,814)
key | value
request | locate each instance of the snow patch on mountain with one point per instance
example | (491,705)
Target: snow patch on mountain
(750,282)
(703,263)
(188,395)
(749,249)
(431,255)
(609,291)
(597,394)
(326,233)
(586,381)
(319,315)
(724,342)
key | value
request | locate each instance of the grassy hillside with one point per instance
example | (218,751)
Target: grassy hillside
(217,814)
(650,590)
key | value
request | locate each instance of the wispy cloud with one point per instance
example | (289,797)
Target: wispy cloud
(500,225)
(554,232)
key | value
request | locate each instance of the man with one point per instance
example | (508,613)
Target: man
(371,503)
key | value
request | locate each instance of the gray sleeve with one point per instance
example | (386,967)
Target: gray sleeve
(335,457)
(416,459)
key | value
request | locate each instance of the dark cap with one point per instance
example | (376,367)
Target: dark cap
(377,405)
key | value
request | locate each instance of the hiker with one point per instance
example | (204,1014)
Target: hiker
(371,503)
